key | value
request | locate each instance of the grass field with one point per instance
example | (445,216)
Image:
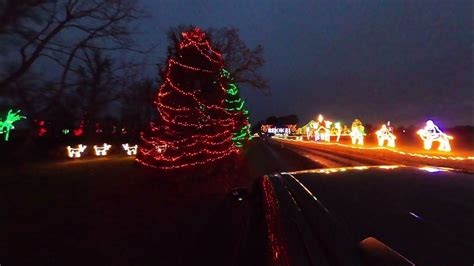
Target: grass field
(111,211)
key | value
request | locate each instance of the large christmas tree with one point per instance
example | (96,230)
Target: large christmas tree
(194,128)
(236,105)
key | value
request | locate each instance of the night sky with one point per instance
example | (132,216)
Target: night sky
(404,61)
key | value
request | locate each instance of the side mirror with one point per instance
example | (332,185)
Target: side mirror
(239,194)
(374,252)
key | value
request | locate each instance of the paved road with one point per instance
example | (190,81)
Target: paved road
(336,156)
(427,217)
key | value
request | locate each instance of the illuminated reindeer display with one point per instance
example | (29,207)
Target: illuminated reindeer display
(102,151)
(131,150)
(431,133)
(76,152)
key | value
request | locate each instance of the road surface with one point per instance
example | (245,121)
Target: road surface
(427,219)
(336,155)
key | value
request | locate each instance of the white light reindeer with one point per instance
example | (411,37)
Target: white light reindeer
(76,152)
(131,150)
(102,151)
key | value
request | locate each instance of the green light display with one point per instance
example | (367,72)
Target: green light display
(233,90)
(235,104)
(7,124)
(225,74)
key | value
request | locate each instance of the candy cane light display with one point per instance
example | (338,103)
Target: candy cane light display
(384,134)
(76,152)
(131,150)
(102,150)
(431,133)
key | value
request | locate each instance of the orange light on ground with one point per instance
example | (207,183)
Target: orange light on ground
(412,154)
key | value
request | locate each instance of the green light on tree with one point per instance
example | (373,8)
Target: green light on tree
(235,104)
(225,73)
(7,124)
(233,90)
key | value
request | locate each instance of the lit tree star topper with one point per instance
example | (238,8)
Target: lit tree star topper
(7,124)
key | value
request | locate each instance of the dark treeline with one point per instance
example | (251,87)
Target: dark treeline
(79,74)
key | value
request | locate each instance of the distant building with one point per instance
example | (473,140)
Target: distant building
(279,131)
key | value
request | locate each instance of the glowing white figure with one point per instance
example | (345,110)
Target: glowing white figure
(327,131)
(308,133)
(131,150)
(76,152)
(315,125)
(322,132)
(102,150)
(431,133)
(384,134)
(357,132)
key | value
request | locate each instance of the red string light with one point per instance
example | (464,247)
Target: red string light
(194,128)
(279,253)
